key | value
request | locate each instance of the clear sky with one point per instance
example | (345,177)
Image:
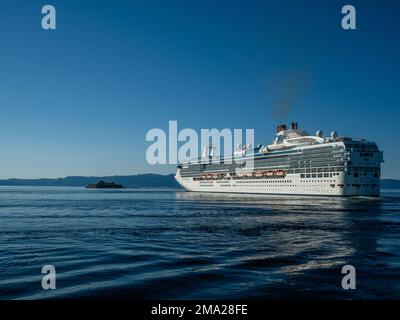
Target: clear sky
(79,100)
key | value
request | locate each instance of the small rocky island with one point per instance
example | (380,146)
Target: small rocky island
(104,185)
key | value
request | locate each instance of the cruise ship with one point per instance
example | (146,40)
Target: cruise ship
(296,163)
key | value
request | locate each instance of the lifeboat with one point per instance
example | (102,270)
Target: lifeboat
(270,173)
(259,173)
(249,174)
(280,173)
(240,175)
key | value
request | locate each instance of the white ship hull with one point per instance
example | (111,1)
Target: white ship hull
(290,185)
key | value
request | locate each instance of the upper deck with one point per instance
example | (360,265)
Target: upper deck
(290,142)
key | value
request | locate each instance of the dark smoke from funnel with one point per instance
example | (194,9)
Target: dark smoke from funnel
(289,90)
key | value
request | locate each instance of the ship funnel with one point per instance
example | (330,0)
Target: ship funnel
(281,127)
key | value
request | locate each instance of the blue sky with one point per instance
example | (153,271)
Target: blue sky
(79,100)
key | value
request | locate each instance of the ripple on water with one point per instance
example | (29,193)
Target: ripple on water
(157,244)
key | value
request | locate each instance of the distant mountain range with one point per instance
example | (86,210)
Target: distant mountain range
(135,181)
(390,184)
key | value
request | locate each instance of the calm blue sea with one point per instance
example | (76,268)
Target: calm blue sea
(167,244)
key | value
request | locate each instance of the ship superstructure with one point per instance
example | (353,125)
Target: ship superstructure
(296,163)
